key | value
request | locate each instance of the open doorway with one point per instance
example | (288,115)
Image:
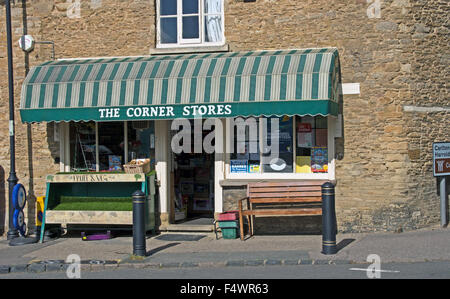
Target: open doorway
(193,185)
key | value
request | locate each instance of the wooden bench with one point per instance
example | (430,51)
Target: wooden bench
(272,198)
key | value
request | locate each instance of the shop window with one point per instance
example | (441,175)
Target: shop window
(118,143)
(284,145)
(190,22)
(82,146)
(312,144)
(278,159)
(111,145)
(245,156)
(141,141)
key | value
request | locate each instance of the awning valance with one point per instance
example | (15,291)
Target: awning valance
(287,82)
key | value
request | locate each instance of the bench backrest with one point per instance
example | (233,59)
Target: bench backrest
(285,192)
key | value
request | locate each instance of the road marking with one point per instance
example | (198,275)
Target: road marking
(374,270)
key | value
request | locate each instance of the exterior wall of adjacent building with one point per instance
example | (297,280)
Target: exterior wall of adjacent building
(399,55)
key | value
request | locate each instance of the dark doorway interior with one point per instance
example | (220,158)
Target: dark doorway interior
(193,183)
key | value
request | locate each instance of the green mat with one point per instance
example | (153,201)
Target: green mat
(77,203)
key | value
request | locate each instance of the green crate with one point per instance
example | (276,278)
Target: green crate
(228,224)
(230,233)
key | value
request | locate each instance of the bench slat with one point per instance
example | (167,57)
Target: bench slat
(289,183)
(285,194)
(317,199)
(283,212)
(284,189)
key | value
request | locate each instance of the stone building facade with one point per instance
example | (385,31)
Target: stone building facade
(397,50)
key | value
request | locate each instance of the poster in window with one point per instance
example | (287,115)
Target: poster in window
(304,140)
(304,135)
(304,128)
(303,164)
(115,162)
(319,159)
(253,168)
(238,166)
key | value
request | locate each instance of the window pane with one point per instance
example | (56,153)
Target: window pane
(168,30)
(141,141)
(190,6)
(245,157)
(82,146)
(111,145)
(190,27)
(283,160)
(168,7)
(213,6)
(213,28)
(312,144)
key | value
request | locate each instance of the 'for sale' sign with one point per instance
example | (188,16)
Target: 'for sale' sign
(441,158)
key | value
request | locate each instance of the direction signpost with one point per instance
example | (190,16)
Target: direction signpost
(441,169)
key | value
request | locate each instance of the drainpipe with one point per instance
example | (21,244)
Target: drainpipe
(12,179)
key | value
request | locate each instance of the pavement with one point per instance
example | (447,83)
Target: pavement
(181,250)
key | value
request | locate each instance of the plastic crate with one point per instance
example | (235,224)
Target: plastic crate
(230,215)
(228,224)
(230,233)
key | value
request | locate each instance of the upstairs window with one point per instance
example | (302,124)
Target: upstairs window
(190,23)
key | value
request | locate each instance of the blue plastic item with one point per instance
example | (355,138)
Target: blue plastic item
(19,197)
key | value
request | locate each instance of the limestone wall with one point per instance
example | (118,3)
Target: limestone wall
(399,54)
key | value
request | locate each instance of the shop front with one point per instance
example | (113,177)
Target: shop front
(204,122)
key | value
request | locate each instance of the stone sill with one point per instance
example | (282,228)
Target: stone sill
(187,50)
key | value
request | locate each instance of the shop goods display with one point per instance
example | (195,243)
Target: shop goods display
(137,166)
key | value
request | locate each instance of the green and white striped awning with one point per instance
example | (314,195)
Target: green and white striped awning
(288,82)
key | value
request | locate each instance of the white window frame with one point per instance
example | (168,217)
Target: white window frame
(182,43)
(330,175)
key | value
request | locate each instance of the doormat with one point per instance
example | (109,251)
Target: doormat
(180,237)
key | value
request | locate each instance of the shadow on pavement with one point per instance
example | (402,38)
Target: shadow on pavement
(160,248)
(344,243)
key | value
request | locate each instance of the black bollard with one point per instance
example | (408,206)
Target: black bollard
(328,219)
(139,248)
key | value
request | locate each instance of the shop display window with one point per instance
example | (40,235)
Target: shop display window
(141,141)
(302,145)
(82,146)
(312,144)
(278,159)
(245,156)
(118,144)
(111,146)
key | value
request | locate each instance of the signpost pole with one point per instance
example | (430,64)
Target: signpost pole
(444,201)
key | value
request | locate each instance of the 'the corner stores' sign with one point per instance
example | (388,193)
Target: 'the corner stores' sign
(441,158)
(194,110)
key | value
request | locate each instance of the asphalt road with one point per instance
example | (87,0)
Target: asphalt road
(421,270)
